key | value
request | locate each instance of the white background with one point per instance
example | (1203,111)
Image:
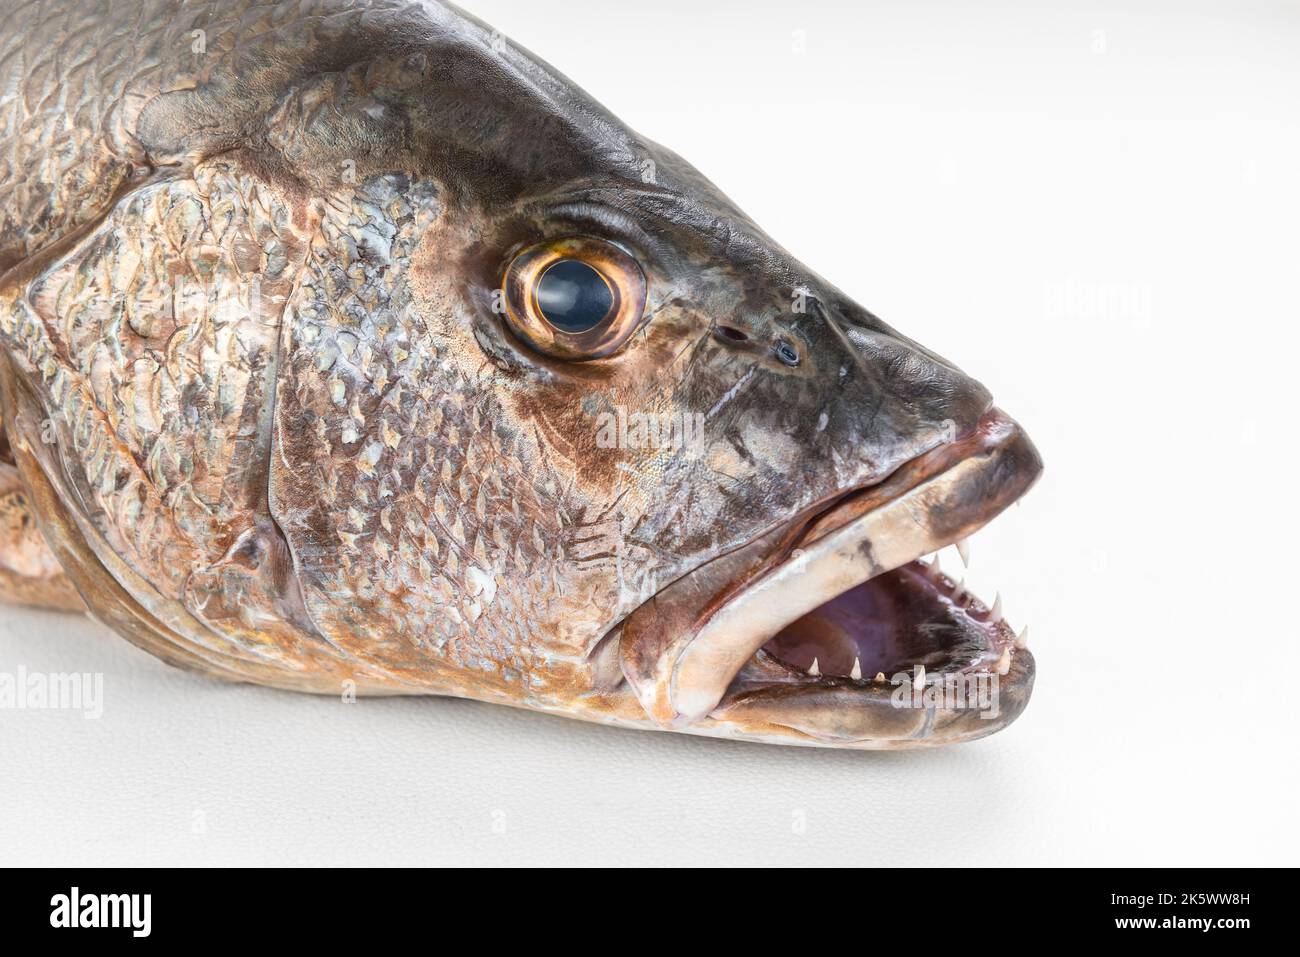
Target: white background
(1095,209)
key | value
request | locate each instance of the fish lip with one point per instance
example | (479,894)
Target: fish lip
(839,712)
(945,494)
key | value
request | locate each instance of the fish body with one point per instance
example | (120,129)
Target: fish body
(300,388)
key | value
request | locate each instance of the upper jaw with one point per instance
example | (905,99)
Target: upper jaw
(692,652)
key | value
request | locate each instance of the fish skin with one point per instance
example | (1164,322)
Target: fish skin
(249,289)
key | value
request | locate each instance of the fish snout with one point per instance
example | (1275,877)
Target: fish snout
(841,379)
(886,397)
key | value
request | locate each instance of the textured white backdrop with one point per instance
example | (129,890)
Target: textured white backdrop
(1091,207)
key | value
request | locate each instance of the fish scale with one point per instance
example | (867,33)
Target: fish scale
(201,511)
(378,573)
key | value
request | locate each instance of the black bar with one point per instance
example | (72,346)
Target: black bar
(336,907)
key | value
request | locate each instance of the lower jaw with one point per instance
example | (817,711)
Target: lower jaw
(895,713)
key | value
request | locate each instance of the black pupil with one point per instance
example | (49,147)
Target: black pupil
(573,297)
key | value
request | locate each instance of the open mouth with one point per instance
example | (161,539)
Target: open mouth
(806,629)
(910,617)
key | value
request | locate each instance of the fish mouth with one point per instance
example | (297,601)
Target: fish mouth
(810,630)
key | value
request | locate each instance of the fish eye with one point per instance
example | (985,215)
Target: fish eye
(574,298)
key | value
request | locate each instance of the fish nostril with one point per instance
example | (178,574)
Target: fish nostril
(732,333)
(787,353)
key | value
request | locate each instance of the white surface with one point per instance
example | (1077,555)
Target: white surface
(956,168)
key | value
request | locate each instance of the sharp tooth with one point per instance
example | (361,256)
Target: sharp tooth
(856,673)
(934,566)
(918,679)
(880,676)
(1022,639)
(814,670)
(1004,663)
(963,549)
(995,615)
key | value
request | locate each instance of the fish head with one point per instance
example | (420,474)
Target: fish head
(526,409)
(701,504)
